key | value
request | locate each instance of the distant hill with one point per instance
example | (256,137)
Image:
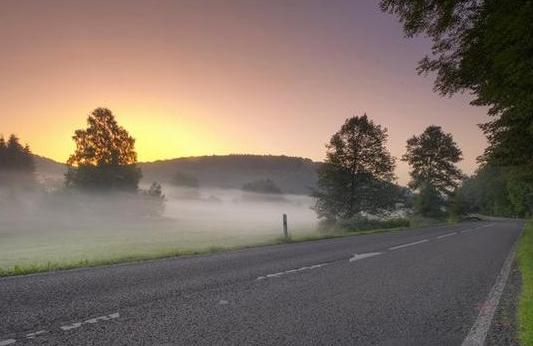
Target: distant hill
(291,174)
(48,168)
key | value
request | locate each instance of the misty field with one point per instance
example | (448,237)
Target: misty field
(194,221)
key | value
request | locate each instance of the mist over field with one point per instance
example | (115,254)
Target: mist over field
(61,226)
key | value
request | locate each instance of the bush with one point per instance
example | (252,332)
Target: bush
(362,223)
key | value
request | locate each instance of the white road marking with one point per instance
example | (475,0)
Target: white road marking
(357,257)
(408,244)
(7,342)
(275,275)
(223,302)
(446,235)
(479,330)
(71,326)
(34,334)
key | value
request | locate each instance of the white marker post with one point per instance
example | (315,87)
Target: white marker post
(285,229)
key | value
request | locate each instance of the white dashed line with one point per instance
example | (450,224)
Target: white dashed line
(478,333)
(446,235)
(357,257)
(275,275)
(71,326)
(7,342)
(408,244)
(34,334)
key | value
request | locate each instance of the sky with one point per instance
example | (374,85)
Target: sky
(198,77)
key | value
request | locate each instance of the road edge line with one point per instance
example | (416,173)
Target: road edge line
(478,333)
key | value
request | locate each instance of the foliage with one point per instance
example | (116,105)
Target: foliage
(17,165)
(485,47)
(105,156)
(362,223)
(184,179)
(358,172)
(525,307)
(433,157)
(262,186)
(429,202)
(497,191)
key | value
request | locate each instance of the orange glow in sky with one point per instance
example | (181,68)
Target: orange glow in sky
(198,77)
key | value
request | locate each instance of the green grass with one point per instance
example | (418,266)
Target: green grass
(34,253)
(525,308)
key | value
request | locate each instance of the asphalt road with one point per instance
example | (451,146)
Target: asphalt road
(419,287)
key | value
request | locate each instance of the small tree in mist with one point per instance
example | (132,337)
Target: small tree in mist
(357,174)
(185,180)
(105,156)
(262,186)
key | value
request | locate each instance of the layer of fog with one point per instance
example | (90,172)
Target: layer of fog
(37,226)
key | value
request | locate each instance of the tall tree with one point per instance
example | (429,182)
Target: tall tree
(484,47)
(433,156)
(105,156)
(357,172)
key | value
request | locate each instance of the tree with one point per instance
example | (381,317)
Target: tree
(484,47)
(105,156)
(357,174)
(433,157)
(429,201)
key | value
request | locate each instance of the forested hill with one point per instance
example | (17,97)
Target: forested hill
(291,174)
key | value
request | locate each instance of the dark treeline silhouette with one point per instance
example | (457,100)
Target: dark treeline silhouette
(17,165)
(262,186)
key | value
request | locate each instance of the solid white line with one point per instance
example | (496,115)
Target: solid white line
(408,244)
(481,326)
(357,257)
(446,235)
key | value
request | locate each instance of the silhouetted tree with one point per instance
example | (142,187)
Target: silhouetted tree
(105,156)
(433,157)
(357,174)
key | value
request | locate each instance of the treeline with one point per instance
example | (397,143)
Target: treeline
(16,163)
(357,177)
(484,50)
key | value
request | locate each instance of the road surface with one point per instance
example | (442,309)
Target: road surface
(418,287)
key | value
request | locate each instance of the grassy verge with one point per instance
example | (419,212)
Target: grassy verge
(525,309)
(31,268)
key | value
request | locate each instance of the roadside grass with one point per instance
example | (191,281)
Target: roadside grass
(167,252)
(525,307)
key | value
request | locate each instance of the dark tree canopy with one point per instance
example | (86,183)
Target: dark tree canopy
(358,171)
(433,157)
(105,156)
(484,47)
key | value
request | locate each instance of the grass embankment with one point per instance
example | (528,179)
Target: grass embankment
(108,253)
(525,309)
